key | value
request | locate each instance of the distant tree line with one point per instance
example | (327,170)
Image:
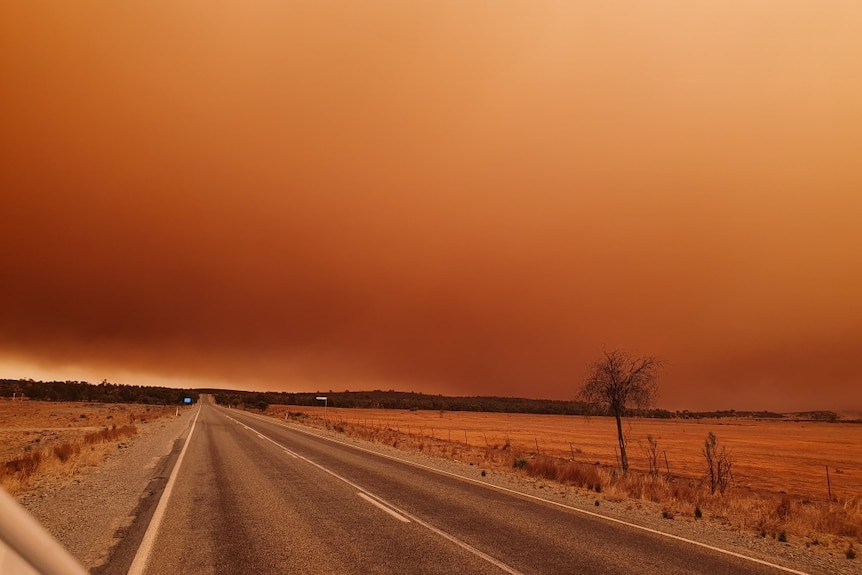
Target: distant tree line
(728,413)
(827,416)
(400,400)
(415,401)
(104,392)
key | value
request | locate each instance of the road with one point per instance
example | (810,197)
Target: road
(255,496)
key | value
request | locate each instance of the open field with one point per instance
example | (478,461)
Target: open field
(43,440)
(779,486)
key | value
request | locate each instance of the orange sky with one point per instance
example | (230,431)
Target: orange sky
(459,197)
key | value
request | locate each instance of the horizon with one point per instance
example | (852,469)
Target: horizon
(452,197)
(656,407)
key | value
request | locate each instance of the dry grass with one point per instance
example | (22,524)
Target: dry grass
(47,440)
(779,467)
(770,457)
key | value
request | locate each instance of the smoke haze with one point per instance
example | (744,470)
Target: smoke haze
(449,197)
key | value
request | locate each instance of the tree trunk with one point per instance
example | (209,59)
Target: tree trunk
(624,460)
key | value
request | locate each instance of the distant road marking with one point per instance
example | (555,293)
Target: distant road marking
(139,564)
(365,494)
(534,497)
(388,510)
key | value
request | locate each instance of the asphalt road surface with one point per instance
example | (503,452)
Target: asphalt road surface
(254,496)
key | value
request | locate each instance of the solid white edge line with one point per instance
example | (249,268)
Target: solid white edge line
(466,546)
(382,507)
(537,498)
(142,557)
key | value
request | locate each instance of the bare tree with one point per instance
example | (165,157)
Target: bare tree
(718,464)
(619,380)
(652,455)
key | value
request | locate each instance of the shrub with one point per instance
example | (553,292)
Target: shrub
(782,536)
(520,463)
(697,512)
(582,475)
(648,487)
(652,455)
(542,467)
(65,451)
(111,434)
(578,474)
(850,553)
(718,464)
(23,467)
(784,507)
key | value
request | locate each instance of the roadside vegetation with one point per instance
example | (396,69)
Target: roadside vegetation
(51,429)
(62,459)
(693,494)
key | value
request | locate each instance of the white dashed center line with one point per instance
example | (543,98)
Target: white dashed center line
(379,505)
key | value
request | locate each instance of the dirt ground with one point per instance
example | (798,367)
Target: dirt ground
(37,427)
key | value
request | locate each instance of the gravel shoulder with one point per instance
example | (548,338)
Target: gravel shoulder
(88,513)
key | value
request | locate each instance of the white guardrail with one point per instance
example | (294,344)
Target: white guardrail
(26,548)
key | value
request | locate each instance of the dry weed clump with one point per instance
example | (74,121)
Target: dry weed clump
(61,459)
(581,475)
(646,487)
(843,520)
(23,467)
(110,434)
(781,515)
(66,451)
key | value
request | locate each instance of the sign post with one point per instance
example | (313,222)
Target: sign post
(325,401)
